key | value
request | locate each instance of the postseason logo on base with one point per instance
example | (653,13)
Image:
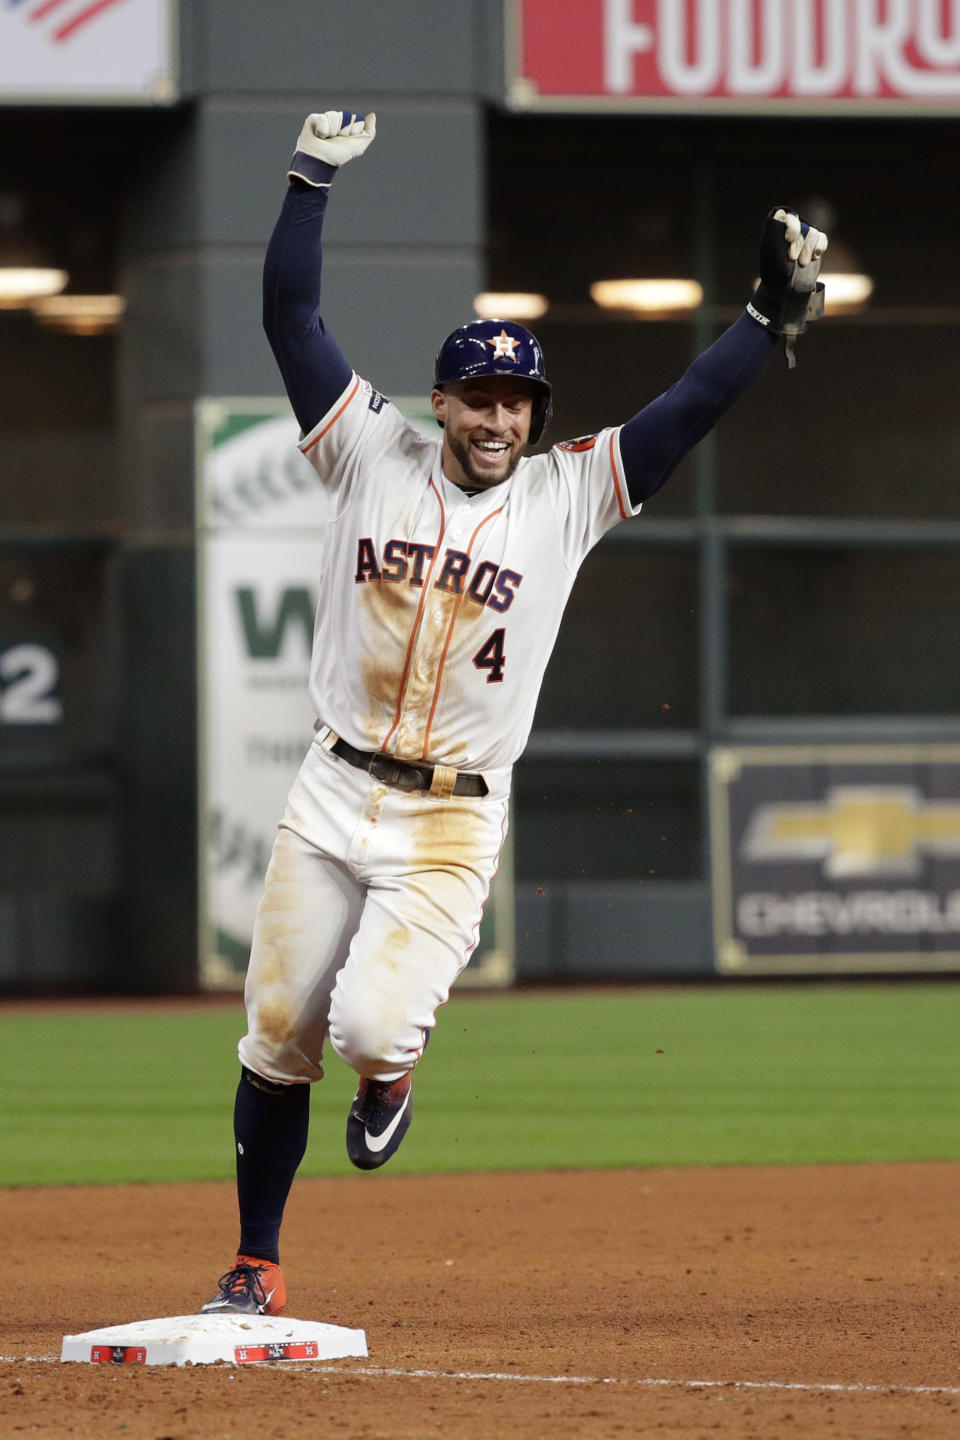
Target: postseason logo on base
(118,1355)
(297,1350)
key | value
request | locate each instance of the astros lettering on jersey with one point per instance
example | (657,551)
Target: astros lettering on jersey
(438,609)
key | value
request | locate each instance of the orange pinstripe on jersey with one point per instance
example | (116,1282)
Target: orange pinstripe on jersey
(415,629)
(453,620)
(625,509)
(330,424)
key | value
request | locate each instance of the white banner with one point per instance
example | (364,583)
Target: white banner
(259,556)
(87,51)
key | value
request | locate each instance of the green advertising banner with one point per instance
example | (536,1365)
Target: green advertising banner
(258,558)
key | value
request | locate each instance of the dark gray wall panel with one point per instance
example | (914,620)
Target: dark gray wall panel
(196,323)
(63,471)
(57,942)
(417,184)
(389,316)
(426,47)
(161,211)
(159,860)
(58,832)
(159,480)
(612,931)
(162,342)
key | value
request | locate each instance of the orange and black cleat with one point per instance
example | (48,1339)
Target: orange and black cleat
(252,1287)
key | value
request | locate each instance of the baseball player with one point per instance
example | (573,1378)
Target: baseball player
(447,564)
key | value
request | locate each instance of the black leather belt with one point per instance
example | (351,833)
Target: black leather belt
(402,773)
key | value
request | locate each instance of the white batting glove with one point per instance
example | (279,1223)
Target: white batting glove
(330,138)
(805,251)
(790,294)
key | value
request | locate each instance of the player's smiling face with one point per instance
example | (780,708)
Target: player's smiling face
(486,424)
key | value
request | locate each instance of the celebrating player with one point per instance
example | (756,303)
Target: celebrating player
(446,568)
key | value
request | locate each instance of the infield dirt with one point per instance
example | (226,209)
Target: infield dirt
(730,1303)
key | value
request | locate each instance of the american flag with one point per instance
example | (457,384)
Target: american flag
(59,19)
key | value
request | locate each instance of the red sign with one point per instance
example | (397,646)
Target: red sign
(735,55)
(276,1350)
(118,1355)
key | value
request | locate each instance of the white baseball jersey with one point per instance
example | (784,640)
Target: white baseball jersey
(438,610)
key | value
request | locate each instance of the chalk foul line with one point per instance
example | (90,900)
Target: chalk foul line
(381,1372)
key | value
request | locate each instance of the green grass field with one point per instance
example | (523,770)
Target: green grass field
(733,1075)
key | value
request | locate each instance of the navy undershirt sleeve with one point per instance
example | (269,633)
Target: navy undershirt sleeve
(315,371)
(311,362)
(654,442)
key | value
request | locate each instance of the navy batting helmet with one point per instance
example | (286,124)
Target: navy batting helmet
(496,347)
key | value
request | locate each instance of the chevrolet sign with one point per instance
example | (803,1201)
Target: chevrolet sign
(836,859)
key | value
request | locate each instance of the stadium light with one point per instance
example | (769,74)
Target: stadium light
(25,271)
(510,305)
(80,314)
(21,285)
(846,287)
(649,299)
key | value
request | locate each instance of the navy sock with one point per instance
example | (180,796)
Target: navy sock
(270,1124)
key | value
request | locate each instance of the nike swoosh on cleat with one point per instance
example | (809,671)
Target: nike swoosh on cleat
(377,1142)
(225,1304)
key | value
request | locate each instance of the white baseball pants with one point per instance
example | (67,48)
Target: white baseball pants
(371,908)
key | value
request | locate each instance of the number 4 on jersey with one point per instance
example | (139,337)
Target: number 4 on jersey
(490,657)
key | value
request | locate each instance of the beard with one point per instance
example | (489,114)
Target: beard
(479,480)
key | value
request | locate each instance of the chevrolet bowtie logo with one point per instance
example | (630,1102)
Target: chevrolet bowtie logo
(858,830)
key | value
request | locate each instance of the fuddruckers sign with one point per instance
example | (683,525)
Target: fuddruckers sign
(839,56)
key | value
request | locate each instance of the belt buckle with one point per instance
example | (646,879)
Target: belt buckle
(384,769)
(393,772)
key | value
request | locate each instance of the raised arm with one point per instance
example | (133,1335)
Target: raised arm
(654,442)
(311,362)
